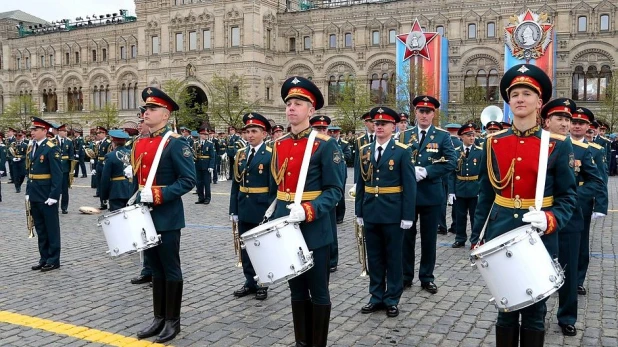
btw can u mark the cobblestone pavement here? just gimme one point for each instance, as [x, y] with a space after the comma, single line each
[92, 290]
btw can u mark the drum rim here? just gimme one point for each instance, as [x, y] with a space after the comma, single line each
[289, 277]
[265, 228]
[126, 208]
[480, 252]
[527, 303]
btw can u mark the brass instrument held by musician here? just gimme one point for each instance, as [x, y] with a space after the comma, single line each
[71, 171]
[29, 220]
[362, 250]
[237, 248]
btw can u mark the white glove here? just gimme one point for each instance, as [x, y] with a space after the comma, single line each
[92, 161]
[1, 172]
[451, 199]
[297, 213]
[50, 201]
[406, 224]
[421, 173]
[93, 173]
[76, 156]
[128, 172]
[146, 196]
[234, 218]
[536, 218]
[16, 159]
[27, 197]
[597, 215]
[360, 221]
[210, 170]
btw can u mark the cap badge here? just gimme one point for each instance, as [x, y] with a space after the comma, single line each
[295, 81]
[380, 110]
[580, 110]
[425, 99]
[149, 91]
[523, 69]
[567, 103]
[250, 115]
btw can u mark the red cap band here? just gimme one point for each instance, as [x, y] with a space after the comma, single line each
[300, 92]
[159, 102]
[255, 122]
[558, 109]
[581, 116]
[527, 81]
[384, 117]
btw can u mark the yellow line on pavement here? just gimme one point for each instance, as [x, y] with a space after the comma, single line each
[78, 332]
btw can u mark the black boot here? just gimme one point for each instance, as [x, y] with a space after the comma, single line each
[532, 338]
[507, 336]
[301, 316]
[321, 318]
[173, 299]
[158, 304]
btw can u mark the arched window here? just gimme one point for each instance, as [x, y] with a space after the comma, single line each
[591, 85]
[481, 86]
[493, 85]
[75, 99]
[333, 90]
[124, 97]
[50, 100]
[380, 87]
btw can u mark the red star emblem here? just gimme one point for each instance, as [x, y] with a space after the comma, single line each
[418, 42]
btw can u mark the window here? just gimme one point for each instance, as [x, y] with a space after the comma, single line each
[292, 44]
[268, 38]
[491, 29]
[27, 62]
[50, 100]
[235, 91]
[591, 85]
[235, 31]
[94, 55]
[155, 45]
[268, 96]
[75, 99]
[375, 37]
[471, 31]
[18, 63]
[348, 39]
[192, 40]
[133, 51]
[604, 23]
[332, 41]
[206, 39]
[307, 43]
[179, 45]
[380, 86]
[123, 53]
[67, 58]
[51, 60]
[76, 57]
[481, 86]
[582, 22]
[392, 36]
[104, 54]
[128, 96]
[42, 61]
[440, 30]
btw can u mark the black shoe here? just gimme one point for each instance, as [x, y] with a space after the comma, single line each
[49, 267]
[9, 182]
[430, 287]
[37, 267]
[340, 221]
[18, 191]
[206, 202]
[199, 202]
[103, 207]
[141, 279]
[581, 290]
[451, 230]
[214, 182]
[371, 307]
[442, 231]
[84, 176]
[392, 311]
[75, 176]
[261, 294]
[96, 196]
[568, 329]
[333, 268]
[65, 212]
[407, 284]
[458, 244]
[244, 291]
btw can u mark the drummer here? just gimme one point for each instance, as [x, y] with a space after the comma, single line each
[557, 116]
[311, 303]
[250, 198]
[114, 186]
[508, 183]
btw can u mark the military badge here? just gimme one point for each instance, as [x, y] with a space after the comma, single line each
[576, 165]
[261, 167]
[42, 157]
[391, 163]
[571, 160]
[186, 152]
[336, 157]
[474, 161]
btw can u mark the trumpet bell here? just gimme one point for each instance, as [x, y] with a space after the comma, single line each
[491, 113]
[352, 192]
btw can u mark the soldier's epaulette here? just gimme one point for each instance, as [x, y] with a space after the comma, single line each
[268, 149]
[50, 144]
[457, 148]
[557, 137]
[580, 144]
[446, 131]
[478, 147]
[365, 145]
[283, 137]
[175, 135]
[323, 137]
[498, 133]
[344, 141]
[402, 145]
[595, 145]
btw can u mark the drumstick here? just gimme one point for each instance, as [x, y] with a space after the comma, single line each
[542, 174]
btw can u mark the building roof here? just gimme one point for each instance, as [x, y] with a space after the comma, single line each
[21, 16]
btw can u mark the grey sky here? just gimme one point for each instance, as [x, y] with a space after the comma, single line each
[53, 10]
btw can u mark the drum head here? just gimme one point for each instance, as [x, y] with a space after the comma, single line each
[89, 210]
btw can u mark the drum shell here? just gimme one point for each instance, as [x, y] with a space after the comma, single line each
[129, 230]
[277, 251]
[517, 269]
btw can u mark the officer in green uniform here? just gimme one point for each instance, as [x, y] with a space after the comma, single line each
[434, 157]
[80, 153]
[19, 147]
[600, 139]
[43, 191]
[593, 206]
[10, 138]
[102, 149]
[463, 187]
[453, 129]
[492, 127]
[368, 137]
[311, 303]
[217, 143]
[186, 134]
[385, 200]
[175, 176]
[2, 161]
[557, 117]
[507, 186]
[253, 190]
[335, 132]
[115, 187]
[231, 147]
[67, 156]
[204, 166]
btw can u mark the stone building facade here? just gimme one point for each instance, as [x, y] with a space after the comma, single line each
[267, 40]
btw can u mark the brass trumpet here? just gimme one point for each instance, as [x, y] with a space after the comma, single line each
[71, 171]
[29, 220]
[237, 248]
[360, 244]
[352, 191]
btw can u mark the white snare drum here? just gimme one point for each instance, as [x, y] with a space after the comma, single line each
[277, 250]
[129, 230]
[518, 269]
